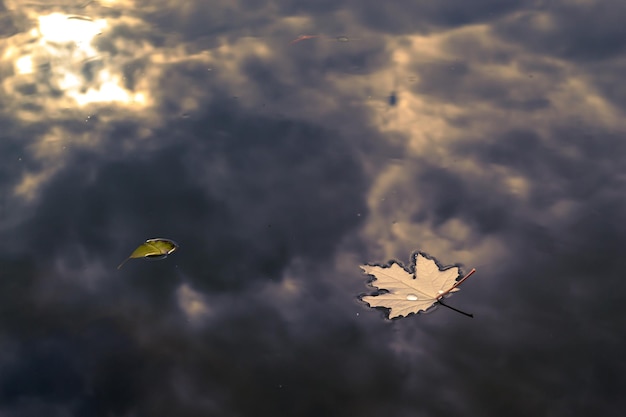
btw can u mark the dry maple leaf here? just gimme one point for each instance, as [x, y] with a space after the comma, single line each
[412, 292]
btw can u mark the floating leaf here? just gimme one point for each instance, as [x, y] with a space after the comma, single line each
[412, 292]
[153, 249]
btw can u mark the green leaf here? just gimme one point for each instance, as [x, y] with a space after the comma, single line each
[153, 249]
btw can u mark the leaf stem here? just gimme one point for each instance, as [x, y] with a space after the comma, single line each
[122, 264]
[456, 284]
[464, 278]
[455, 309]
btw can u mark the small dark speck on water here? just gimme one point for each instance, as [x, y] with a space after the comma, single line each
[393, 99]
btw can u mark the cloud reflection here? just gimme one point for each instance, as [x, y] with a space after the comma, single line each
[280, 168]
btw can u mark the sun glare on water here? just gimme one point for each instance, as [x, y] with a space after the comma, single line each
[59, 51]
[60, 73]
[60, 28]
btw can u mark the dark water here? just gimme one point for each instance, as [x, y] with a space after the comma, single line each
[283, 144]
